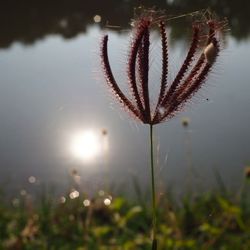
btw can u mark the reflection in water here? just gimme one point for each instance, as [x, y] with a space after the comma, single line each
[27, 21]
[85, 145]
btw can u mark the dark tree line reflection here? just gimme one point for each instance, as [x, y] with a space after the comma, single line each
[28, 20]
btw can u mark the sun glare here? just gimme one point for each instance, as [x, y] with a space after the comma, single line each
[85, 145]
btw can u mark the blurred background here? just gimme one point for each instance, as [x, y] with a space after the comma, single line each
[58, 119]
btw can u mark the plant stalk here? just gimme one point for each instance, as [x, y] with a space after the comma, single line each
[154, 243]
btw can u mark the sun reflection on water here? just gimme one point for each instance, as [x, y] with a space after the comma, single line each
[85, 145]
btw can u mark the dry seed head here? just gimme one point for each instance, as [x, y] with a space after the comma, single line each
[190, 78]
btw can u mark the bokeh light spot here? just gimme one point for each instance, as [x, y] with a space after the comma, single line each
[97, 18]
[107, 202]
[86, 203]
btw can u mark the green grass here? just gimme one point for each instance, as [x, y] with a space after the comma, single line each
[213, 220]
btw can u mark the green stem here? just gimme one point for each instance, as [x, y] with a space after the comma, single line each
[154, 244]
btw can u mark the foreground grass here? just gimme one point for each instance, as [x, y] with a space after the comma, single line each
[214, 220]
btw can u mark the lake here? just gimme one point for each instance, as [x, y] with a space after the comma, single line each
[59, 121]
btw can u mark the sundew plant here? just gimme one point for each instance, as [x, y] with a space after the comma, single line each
[204, 49]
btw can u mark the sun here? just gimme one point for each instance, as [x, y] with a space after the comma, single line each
[85, 145]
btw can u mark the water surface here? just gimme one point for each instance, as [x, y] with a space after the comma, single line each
[51, 89]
